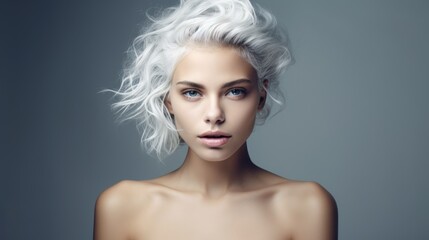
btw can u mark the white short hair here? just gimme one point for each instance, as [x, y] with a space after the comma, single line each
[154, 54]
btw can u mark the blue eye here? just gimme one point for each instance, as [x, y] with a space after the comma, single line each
[237, 92]
[191, 94]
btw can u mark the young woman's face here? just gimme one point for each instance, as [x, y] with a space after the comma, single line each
[214, 98]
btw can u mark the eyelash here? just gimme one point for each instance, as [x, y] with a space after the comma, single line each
[242, 92]
[188, 92]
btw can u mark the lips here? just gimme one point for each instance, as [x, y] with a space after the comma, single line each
[214, 139]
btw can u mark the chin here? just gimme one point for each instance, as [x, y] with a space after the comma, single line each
[215, 154]
[211, 154]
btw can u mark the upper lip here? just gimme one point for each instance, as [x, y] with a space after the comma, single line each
[214, 134]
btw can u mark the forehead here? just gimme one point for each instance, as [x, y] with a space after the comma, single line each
[213, 63]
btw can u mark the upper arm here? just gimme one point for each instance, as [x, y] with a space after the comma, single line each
[110, 217]
[317, 216]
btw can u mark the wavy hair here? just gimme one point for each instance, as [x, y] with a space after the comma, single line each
[154, 54]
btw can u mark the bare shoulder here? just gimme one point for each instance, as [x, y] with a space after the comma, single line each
[310, 208]
[117, 206]
[122, 195]
[306, 193]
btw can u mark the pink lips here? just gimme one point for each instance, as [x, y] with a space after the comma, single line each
[214, 139]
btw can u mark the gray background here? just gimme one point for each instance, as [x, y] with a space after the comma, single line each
[356, 119]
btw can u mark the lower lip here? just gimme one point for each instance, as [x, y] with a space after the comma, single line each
[214, 142]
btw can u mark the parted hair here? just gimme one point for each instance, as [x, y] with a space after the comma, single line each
[152, 58]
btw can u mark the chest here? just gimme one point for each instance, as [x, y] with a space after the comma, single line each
[194, 220]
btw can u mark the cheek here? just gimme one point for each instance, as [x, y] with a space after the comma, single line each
[179, 118]
[184, 116]
[243, 114]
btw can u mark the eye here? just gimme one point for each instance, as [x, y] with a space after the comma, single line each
[237, 92]
[191, 94]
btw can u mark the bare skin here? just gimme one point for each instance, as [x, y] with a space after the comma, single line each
[218, 193]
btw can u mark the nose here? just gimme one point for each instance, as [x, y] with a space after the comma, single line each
[214, 113]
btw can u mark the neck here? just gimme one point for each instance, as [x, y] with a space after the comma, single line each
[214, 178]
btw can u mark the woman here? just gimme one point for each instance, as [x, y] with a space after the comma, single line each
[203, 73]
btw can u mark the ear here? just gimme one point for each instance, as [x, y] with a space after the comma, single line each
[263, 94]
[167, 103]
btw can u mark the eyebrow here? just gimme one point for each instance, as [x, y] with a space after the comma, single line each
[226, 85]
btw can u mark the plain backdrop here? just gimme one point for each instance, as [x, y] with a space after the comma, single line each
[356, 117]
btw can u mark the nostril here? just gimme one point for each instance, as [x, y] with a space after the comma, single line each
[215, 120]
